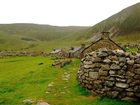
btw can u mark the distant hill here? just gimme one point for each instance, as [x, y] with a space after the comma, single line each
[39, 32]
[32, 36]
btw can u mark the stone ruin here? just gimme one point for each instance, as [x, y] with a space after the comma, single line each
[61, 62]
[112, 73]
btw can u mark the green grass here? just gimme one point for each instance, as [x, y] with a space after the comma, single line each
[22, 78]
[132, 49]
[132, 38]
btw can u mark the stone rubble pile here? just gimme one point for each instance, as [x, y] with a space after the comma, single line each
[112, 73]
[61, 62]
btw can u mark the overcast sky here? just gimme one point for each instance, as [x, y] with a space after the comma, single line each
[60, 12]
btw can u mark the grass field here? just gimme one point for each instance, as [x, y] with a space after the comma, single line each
[24, 78]
[131, 38]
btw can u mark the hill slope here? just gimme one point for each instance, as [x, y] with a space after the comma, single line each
[33, 36]
[126, 22]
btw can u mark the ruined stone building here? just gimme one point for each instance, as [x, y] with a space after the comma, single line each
[103, 42]
[111, 73]
[76, 52]
[58, 53]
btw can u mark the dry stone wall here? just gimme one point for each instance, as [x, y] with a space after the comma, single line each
[112, 73]
[21, 53]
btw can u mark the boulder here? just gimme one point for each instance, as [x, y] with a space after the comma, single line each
[115, 67]
[102, 54]
[120, 80]
[28, 101]
[114, 94]
[137, 94]
[130, 62]
[130, 99]
[120, 53]
[135, 66]
[109, 83]
[112, 72]
[88, 66]
[93, 75]
[137, 71]
[107, 61]
[103, 72]
[92, 66]
[87, 62]
[105, 67]
[122, 59]
[96, 59]
[122, 85]
[130, 94]
[137, 88]
[42, 103]
[130, 74]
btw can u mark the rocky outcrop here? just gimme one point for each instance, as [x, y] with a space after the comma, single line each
[112, 73]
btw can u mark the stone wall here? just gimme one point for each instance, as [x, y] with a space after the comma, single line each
[21, 53]
[112, 73]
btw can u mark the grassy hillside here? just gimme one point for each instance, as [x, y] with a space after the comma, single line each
[133, 38]
[39, 32]
[29, 80]
[37, 37]
[126, 22]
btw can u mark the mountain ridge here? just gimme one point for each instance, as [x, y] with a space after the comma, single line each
[127, 20]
